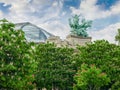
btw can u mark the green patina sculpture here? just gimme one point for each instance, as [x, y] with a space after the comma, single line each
[79, 29]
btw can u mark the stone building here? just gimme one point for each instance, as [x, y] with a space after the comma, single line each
[70, 41]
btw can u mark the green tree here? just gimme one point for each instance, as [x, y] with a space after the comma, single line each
[55, 68]
[77, 28]
[90, 78]
[17, 64]
[117, 37]
[105, 56]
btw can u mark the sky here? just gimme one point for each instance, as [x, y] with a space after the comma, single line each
[53, 15]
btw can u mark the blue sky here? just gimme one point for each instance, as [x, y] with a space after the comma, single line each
[53, 15]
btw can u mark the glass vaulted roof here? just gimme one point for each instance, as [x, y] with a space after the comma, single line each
[33, 33]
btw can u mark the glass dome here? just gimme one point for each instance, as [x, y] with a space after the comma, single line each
[33, 33]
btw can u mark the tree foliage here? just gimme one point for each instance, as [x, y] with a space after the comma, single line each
[16, 62]
[105, 56]
[55, 69]
[90, 78]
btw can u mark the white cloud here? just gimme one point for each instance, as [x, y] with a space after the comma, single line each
[55, 4]
[52, 12]
[108, 33]
[90, 10]
[21, 11]
[1, 14]
[64, 13]
[57, 28]
[16, 5]
[17, 11]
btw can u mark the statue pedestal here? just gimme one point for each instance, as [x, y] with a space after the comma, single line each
[78, 40]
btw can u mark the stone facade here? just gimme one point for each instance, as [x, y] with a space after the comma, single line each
[70, 41]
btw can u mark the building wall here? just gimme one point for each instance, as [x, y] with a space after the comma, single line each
[70, 41]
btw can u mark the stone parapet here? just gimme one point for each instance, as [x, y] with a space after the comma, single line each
[70, 41]
[54, 39]
[77, 40]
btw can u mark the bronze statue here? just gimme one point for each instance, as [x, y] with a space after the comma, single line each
[79, 29]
